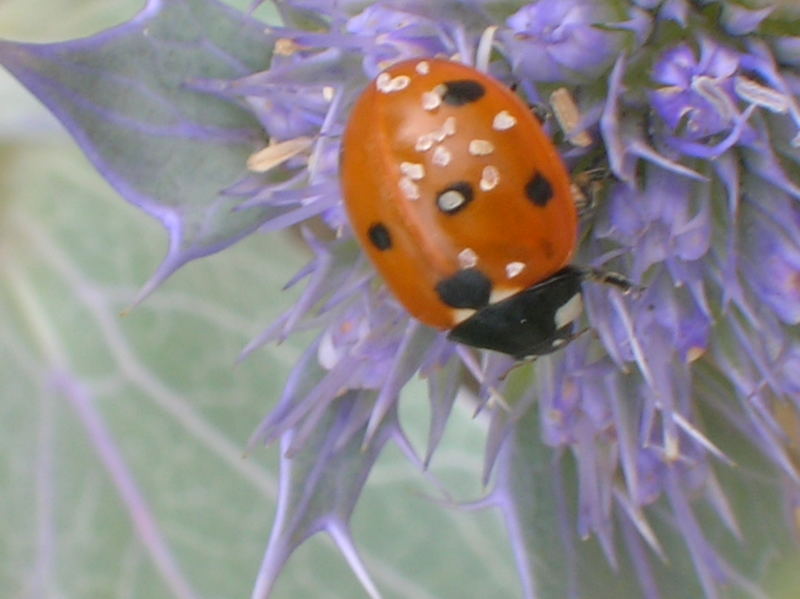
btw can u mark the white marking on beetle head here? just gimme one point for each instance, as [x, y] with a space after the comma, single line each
[423, 67]
[441, 156]
[408, 188]
[467, 258]
[514, 268]
[569, 311]
[490, 177]
[431, 100]
[412, 170]
[462, 314]
[450, 200]
[503, 120]
[481, 147]
[500, 293]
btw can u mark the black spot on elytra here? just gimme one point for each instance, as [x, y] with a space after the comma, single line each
[538, 190]
[379, 236]
[468, 288]
[463, 188]
[462, 91]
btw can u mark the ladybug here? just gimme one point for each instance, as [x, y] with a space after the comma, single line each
[464, 206]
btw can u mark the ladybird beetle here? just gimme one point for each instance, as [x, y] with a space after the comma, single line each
[464, 206]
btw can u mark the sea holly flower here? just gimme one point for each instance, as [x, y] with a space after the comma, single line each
[631, 462]
[558, 41]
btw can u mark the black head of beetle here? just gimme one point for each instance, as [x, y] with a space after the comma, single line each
[533, 322]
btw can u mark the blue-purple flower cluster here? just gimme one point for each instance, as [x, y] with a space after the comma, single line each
[632, 434]
[698, 123]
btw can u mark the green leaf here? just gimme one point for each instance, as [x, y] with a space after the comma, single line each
[124, 436]
[125, 95]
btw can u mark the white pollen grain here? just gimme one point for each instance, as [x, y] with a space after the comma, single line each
[450, 200]
[449, 126]
[514, 268]
[382, 82]
[490, 177]
[424, 143]
[481, 147]
[467, 258]
[441, 156]
[503, 121]
[423, 67]
[399, 83]
[431, 101]
[408, 188]
[412, 170]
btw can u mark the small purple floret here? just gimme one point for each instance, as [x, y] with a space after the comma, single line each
[557, 40]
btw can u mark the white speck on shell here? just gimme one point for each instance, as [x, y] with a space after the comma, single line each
[514, 268]
[412, 170]
[503, 121]
[431, 101]
[382, 82]
[408, 188]
[467, 258]
[441, 156]
[388, 84]
[449, 126]
[490, 177]
[424, 142]
[481, 147]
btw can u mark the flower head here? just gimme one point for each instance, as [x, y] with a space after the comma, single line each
[392, 35]
[555, 40]
[713, 240]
